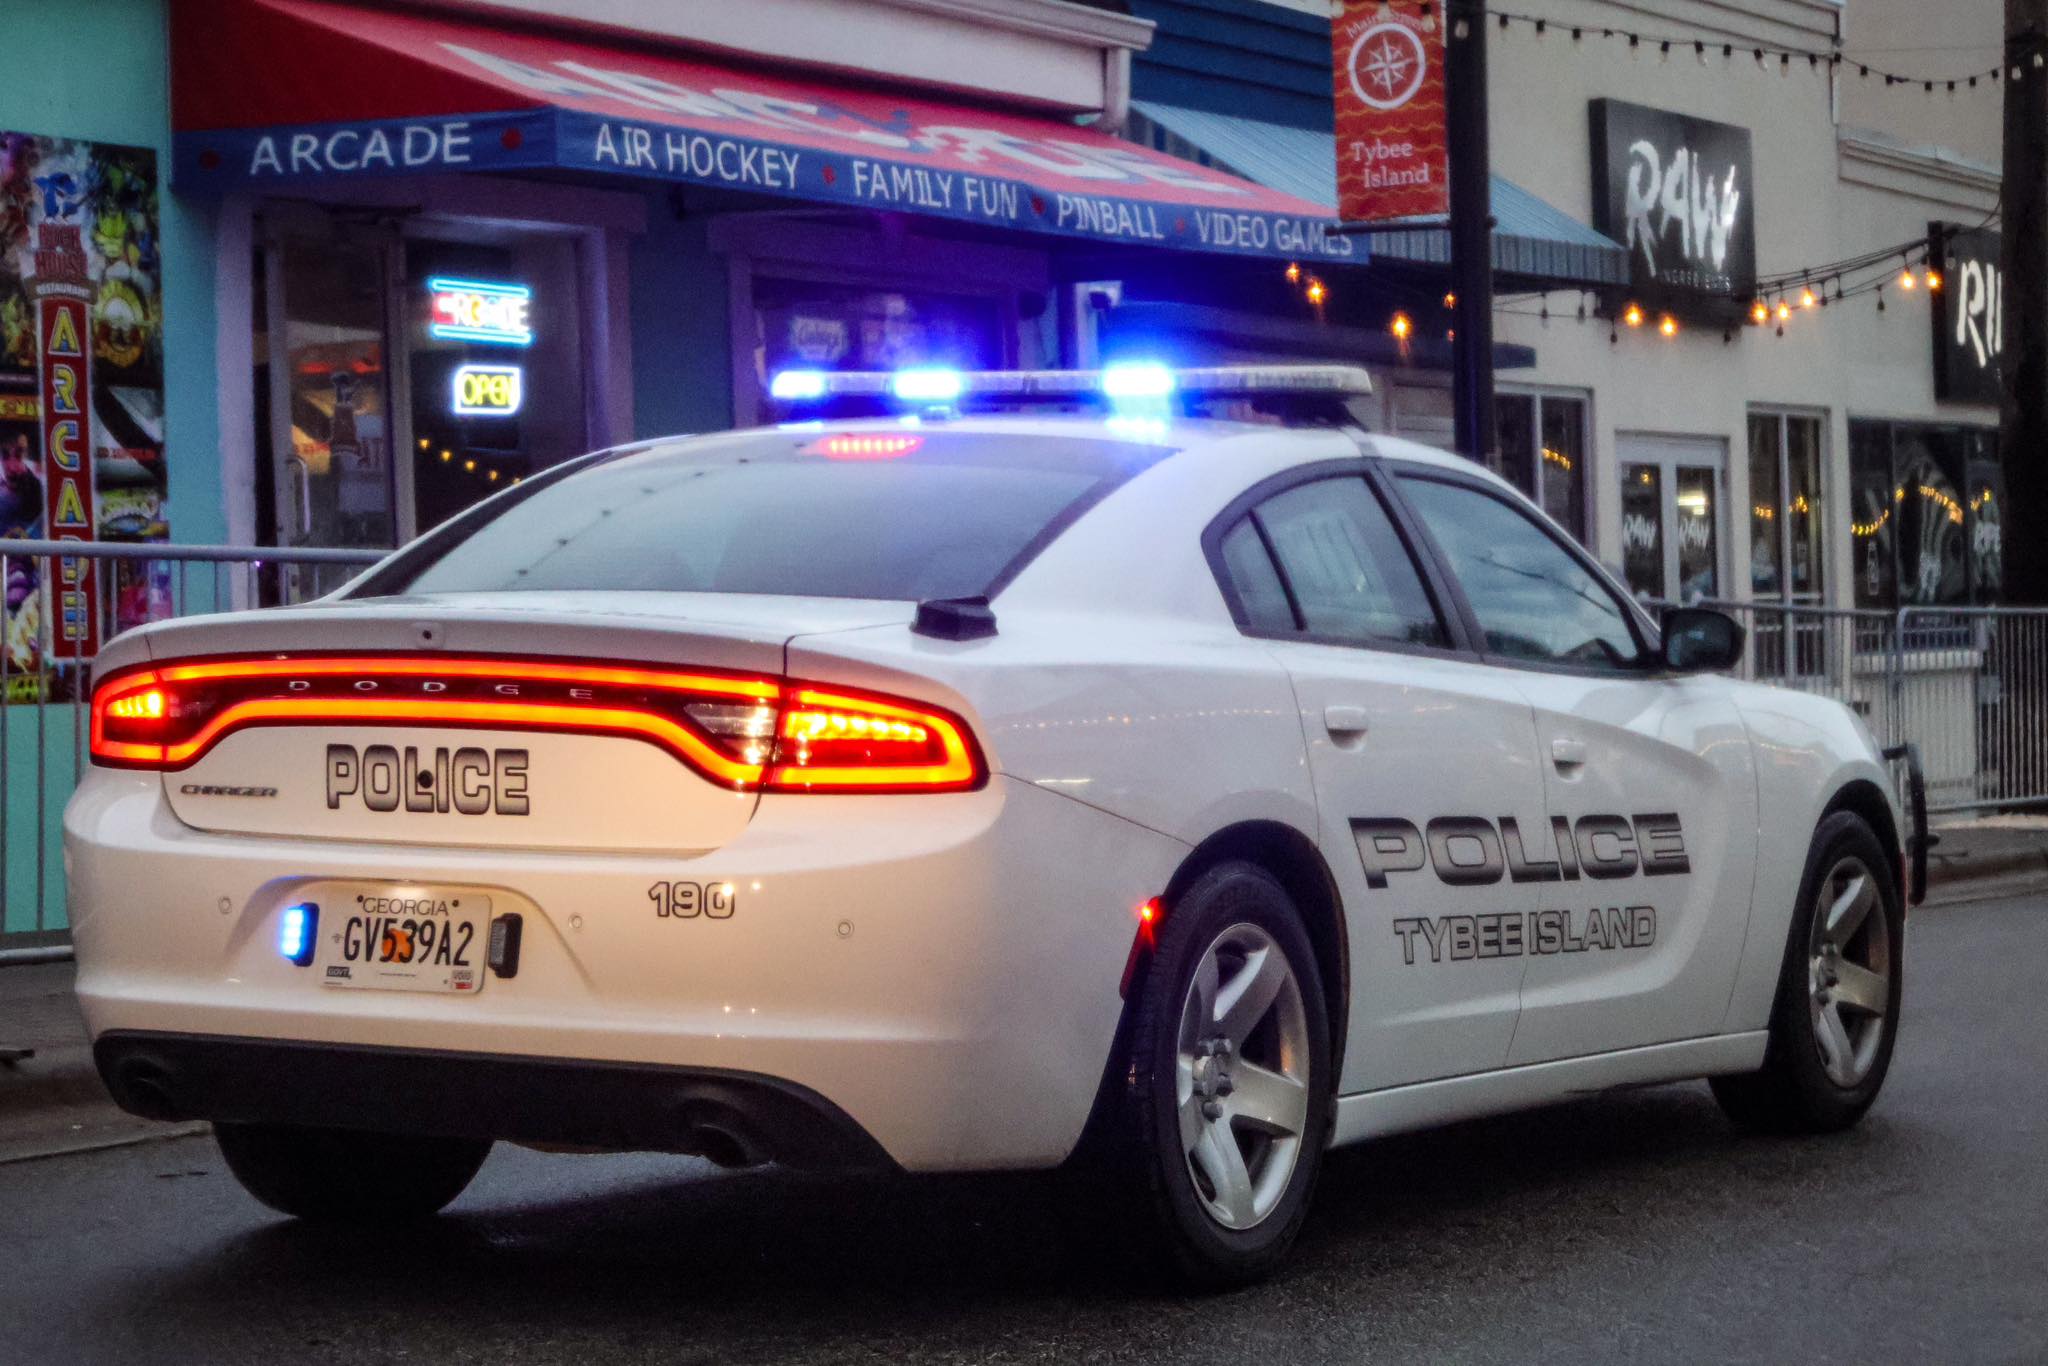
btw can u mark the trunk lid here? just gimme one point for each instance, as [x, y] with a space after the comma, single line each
[604, 743]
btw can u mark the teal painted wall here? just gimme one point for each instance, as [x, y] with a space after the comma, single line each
[99, 69]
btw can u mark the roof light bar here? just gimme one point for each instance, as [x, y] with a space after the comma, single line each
[927, 386]
[794, 385]
[1136, 380]
[1125, 381]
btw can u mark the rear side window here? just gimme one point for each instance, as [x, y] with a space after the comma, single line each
[1535, 600]
[1260, 594]
[910, 514]
[1342, 571]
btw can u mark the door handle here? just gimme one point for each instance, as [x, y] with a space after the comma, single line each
[1568, 753]
[1344, 723]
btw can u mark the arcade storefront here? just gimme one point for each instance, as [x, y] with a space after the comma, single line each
[472, 251]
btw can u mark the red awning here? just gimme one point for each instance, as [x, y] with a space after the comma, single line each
[291, 92]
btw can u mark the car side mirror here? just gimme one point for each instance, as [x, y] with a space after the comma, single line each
[1701, 640]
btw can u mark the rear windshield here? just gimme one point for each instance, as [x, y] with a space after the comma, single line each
[906, 514]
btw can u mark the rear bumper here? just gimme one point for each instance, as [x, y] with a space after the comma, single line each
[734, 1117]
[943, 971]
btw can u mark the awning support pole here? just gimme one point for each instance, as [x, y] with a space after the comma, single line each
[1471, 175]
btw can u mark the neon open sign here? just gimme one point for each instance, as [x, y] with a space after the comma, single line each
[480, 311]
[486, 390]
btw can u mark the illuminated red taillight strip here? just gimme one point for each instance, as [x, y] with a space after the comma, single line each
[507, 671]
[144, 698]
[958, 766]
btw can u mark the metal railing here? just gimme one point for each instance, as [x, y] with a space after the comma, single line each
[43, 692]
[1968, 685]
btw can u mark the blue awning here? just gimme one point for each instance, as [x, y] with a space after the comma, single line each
[1531, 240]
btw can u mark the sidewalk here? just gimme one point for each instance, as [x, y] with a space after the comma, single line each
[53, 1103]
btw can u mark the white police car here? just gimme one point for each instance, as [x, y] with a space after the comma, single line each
[935, 791]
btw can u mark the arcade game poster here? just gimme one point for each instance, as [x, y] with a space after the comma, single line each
[81, 399]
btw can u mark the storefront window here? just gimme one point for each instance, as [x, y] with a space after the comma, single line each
[1766, 545]
[1542, 441]
[1873, 515]
[496, 370]
[1926, 514]
[1785, 545]
[817, 325]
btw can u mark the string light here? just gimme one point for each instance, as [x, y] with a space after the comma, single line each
[1816, 59]
[1668, 325]
[1806, 299]
[1934, 279]
[1401, 327]
[1293, 272]
[1317, 291]
[1906, 280]
[1450, 301]
[1759, 312]
[1633, 315]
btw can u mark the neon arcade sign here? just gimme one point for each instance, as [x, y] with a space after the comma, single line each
[489, 312]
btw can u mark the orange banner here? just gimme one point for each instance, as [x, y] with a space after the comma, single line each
[1392, 149]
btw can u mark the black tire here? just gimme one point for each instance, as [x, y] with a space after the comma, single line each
[1151, 1171]
[1793, 1092]
[341, 1176]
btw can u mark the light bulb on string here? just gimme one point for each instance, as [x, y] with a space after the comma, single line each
[1668, 325]
[1806, 299]
[1633, 315]
[1759, 312]
[1906, 281]
[1784, 316]
[1934, 279]
[1401, 327]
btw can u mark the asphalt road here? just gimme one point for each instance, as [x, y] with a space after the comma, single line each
[1637, 1227]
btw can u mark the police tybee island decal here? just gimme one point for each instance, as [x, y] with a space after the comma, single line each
[1472, 851]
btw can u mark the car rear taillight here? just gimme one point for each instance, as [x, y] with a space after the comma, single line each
[846, 742]
[745, 732]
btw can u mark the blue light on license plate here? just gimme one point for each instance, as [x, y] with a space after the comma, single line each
[296, 928]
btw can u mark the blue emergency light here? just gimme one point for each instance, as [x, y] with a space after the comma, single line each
[929, 385]
[297, 927]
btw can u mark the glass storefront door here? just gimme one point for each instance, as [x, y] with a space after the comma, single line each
[325, 315]
[1671, 516]
[403, 377]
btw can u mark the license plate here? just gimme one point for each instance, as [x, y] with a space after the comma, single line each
[409, 940]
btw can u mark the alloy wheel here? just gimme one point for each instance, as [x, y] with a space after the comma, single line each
[1849, 971]
[1242, 1076]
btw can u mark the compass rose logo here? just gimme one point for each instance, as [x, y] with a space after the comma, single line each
[1387, 65]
